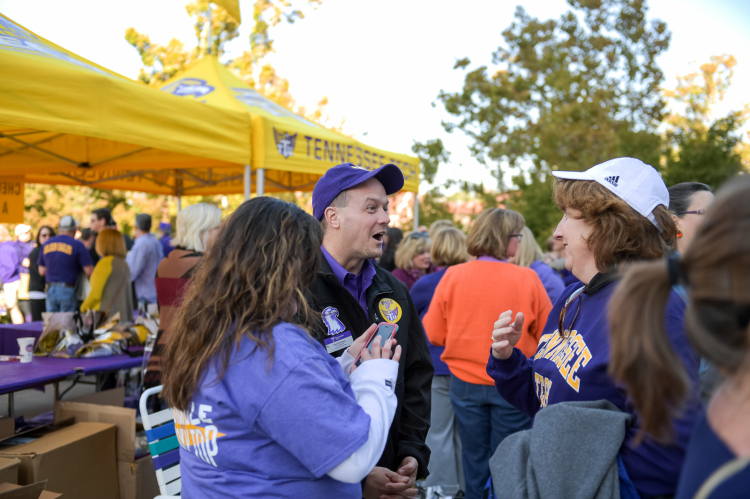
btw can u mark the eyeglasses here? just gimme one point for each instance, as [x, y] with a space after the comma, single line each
[696, 212]
[418, 235]
[519, 236]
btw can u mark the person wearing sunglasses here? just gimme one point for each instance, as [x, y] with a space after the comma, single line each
[688, 202]
[614, 214]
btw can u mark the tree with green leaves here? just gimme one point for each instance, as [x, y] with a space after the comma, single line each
[699, 146]
[563, 94]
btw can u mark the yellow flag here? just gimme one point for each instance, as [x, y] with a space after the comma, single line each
[232, 7]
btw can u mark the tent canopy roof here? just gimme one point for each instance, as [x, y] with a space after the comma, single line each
[282, 140]
[63, 114]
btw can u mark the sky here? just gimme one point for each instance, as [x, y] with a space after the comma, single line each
[382, 63]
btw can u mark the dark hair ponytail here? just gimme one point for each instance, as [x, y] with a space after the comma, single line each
[641, 352]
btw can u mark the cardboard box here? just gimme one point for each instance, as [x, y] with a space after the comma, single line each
[33, 491]
[114, 396]
[7, 427]
[137, 478]
[9, 470]
[78, 461]
[122, 418]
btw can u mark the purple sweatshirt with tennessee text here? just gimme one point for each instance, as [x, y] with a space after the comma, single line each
[576, 370]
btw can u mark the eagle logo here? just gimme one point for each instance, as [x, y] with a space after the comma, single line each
[284, 142]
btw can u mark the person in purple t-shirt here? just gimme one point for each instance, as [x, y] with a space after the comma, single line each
[61, 260]
[9, 274]
[615, 213]
[24, 247]
[261, 409]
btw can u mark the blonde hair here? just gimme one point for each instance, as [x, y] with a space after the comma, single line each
[528, 249]
[4, 234]
[193, 224]
[410, 247]
[449, 247]
[437, 226]
[491, 231]
[109, 242]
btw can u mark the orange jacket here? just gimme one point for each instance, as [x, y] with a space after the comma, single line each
[466, 304]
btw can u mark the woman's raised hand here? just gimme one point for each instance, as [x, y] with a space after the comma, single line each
[506, 334]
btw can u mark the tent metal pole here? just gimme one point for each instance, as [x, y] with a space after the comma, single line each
[416, 212]
[247, 182]
[179, 204]
[259, 181]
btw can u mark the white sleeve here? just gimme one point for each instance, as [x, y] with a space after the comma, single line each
[373, 384]
[346, 361]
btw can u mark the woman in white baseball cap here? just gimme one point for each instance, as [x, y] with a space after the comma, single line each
[614, 213]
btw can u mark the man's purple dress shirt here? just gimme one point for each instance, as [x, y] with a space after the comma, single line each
[356, 284]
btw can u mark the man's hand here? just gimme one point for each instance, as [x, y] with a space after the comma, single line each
[383, 483]
[506, 335]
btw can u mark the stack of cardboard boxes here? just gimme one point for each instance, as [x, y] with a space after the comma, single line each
[89, 454]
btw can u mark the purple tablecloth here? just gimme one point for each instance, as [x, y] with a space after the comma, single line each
[9, 333]
[15, 376]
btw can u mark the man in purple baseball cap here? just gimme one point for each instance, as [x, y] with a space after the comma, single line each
[353, 293]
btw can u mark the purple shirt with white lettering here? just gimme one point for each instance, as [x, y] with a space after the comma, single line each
[271, 428]
[356, 284]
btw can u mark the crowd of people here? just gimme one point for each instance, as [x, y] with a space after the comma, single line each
[513, 373]
[615, 364]
[95, 268]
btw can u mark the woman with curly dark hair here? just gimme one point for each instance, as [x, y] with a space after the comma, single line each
[261, 409]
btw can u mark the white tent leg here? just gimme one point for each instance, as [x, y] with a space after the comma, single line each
[247, 182]
[259, 181]
[416, 212]
[179, 204]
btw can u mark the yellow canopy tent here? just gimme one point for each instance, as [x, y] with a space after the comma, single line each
[288, 151]
[66, 120]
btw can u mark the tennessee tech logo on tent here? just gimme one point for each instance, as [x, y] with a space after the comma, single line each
[189, 86]
[284, 142]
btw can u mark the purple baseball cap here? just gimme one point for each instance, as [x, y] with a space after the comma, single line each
[345, 176]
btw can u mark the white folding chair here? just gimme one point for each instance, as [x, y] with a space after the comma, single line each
[165, 450]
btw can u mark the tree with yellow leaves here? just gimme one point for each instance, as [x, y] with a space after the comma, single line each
[701, 147]
[162, 62]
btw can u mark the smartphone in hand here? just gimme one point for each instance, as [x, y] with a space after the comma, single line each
[385, 331]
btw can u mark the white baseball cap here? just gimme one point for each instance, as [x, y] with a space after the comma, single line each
[630, 179]
[22, 229]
